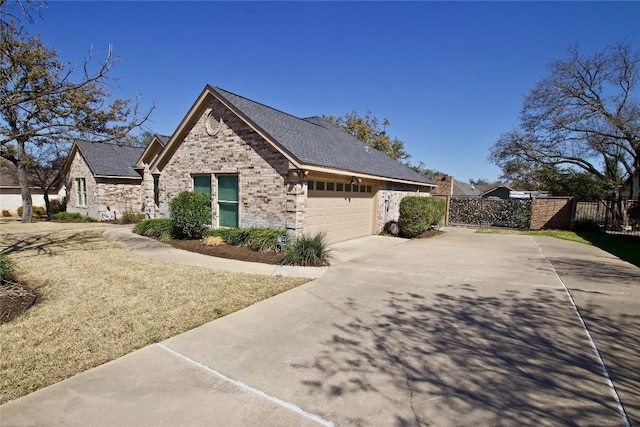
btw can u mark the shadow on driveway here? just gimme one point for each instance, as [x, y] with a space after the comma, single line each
[507, 360]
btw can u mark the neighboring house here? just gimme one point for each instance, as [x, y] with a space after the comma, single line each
[266, 168]
[448, 186]
[464, 189]
[499, 192]
[506, 192]
[101, 181]
[11, 195]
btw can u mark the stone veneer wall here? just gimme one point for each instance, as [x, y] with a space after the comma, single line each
[389, 197]
[269, 194]
[120, 195]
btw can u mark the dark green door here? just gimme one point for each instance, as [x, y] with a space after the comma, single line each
[228, 200]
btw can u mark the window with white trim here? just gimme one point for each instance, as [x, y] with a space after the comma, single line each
[81, 191]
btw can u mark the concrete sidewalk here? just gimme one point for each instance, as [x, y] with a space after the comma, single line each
[460, 329]
[151, 248]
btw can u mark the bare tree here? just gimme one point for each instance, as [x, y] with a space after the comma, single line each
[586, 114]
[44, 101]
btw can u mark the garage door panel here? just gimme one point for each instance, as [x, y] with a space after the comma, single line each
[341, 218]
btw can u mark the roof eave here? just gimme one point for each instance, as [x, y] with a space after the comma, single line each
[344, 172]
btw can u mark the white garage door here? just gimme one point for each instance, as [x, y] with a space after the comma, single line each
[342, 215]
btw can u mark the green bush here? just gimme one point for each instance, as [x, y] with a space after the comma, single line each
[55, 206]
[634, 215]
[418, 214]
[129, 217]
[7, 269]
[258, 239]
[157, 228]
[307, 250]
[190, 213]
[70, 217]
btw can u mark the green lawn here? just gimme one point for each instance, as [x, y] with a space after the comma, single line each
[624, 247]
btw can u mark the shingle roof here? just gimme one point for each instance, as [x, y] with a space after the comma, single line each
[464, 189]
[314, 141]
[107, 159]
[163, 139]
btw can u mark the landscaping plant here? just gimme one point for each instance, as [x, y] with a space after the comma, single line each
[418, 214]
[190, 213]
[307, 251]
[258, 239]
[7, 269]
[157, 228]
[70, 217]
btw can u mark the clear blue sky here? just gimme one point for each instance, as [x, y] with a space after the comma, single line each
[450, 76]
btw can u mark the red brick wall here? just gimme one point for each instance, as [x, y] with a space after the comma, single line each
[551, 213]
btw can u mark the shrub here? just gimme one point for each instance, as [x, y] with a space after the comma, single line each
[70, 217]
[634, 215]
[37, 211]
[129, 217]
[5, 213]
[213, 241]
[55, 206]
[586, 224]
[307, 250]
[157, 228]
[418, 214]
[190, 213]
[7, 269]
[258, 239]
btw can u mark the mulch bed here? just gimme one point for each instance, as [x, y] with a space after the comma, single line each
[14, 299]
[240, 253]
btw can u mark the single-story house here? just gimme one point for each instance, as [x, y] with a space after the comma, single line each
[262, 168]
[11, 193]
[266, 168]
[101, 181]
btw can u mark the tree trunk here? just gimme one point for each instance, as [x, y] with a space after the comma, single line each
[47, 203]
[23, 180]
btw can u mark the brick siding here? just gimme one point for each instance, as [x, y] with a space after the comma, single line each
[269, 195]
[120, 195]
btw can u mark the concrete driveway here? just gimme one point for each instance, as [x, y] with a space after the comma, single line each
[461, 329]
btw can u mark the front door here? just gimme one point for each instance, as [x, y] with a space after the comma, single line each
[227, 200]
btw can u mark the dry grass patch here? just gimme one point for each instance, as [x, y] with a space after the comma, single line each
[100, 301]
[16, 227]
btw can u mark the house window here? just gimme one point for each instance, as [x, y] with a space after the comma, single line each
[339, 186]
[331, 186]
[310, 185]
[228, 200]
[202, 184]
[369, 189]
[156, 190]
[320, 185]
[81, 191]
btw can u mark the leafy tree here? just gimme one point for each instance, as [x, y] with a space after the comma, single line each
[369, 130]
[44, 102]
[585, 114]
[559, 181]
[422, 169]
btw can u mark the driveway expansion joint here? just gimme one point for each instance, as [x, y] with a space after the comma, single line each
[286, 405]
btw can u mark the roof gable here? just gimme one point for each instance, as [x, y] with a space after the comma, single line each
[110, 160]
